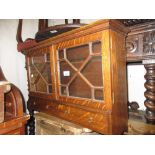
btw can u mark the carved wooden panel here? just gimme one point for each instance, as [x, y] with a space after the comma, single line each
[140, 42]
[134, 47]
[140, 46]
[131, 22]
[149, 43]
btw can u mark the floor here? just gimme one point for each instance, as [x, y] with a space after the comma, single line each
[137, 124]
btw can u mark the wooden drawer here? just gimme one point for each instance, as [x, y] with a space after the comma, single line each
[96, 121]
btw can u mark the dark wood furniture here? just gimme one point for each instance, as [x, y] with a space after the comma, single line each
[76, 76]
[133, 22]
[45, 31]
[140, 45]
[23, 44]
[12, 115]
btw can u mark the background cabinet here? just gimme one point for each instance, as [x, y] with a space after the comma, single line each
[13, 120]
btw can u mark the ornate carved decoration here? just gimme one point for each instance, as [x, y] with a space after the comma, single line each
[140, 42]
[145, 52]
[131, 46]
[133, 105]
[131, 22]
[149, 43]
[150, 92]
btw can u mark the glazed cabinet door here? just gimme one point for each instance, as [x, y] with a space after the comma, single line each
[40, 72]
[80, 71]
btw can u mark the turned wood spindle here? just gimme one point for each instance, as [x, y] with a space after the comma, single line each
[150, 93]
[31, 122]
[76, 21]
[43, 24]
[66, 21]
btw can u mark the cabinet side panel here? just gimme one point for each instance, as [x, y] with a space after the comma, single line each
[119, 83]
[106, 65]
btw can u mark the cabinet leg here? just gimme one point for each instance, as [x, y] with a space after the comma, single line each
[150, 93]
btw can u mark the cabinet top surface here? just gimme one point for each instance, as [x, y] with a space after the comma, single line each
[94, 27]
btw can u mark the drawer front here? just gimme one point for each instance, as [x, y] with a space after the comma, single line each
[98, 122]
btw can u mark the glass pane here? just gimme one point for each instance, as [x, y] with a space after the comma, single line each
[47, 73]
[77, 64]
[38, 59]
[40, 67]
[99, 94]
[47, 57]
[61, 54]
[96, 47]
[40, 73]
[32, 87]
[63, 90]
[79, 53]
[33, 74]
[30, 61]
[90, 75]
[66, 72]
[79, 88]
[93, 71]
[41, 86]
[50, 88]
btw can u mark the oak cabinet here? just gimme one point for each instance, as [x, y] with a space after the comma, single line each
[80, 76]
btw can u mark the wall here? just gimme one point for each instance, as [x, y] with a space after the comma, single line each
[135, 75]
[13, 62]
